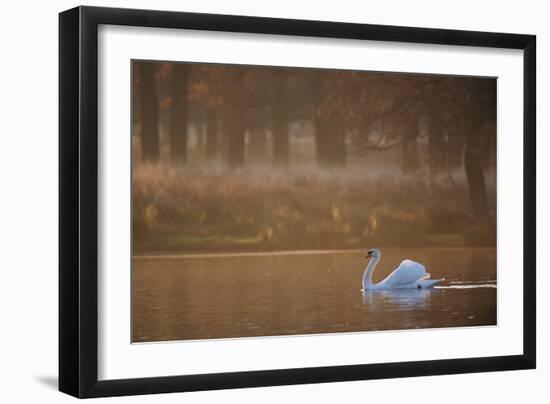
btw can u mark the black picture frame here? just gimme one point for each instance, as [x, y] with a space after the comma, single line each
[78, 201]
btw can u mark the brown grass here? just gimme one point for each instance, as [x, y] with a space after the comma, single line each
[191, 209]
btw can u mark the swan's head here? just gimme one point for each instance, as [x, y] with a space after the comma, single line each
[374, 253]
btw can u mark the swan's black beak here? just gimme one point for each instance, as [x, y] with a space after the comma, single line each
[369, 254]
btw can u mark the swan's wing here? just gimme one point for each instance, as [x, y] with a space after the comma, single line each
[406, 273]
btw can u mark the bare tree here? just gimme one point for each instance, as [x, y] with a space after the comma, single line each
[281, 114]
[179, 113]
[149, 111]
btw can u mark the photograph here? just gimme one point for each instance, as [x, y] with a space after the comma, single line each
[272, 201]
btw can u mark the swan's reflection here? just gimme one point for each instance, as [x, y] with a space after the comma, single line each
[403, 298]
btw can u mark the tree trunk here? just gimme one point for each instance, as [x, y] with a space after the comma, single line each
[234, 119]
[281, 144]
[436, 144]
[235, 135]
[257, 145]
[475, 148]
[320, 144]
[330, 142]
[136, 99]
[211, 133]
[178, 123]
[410, 155]
[409, 148]
[281, 115]
[200, 134]
[149, 113]
[339, 154]
[476, 181]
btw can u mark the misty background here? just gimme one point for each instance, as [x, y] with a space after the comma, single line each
[253, 158]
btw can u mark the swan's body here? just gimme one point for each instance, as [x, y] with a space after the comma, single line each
[408, 275]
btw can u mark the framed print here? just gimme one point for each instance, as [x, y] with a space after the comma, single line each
[251, 201]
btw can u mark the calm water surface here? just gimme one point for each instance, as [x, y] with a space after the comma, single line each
[223, 296]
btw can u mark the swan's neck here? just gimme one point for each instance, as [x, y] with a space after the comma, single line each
[367, 275]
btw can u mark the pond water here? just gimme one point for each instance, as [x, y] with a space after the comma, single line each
[262, 294]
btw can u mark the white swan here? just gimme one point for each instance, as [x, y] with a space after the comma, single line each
[408, 275]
